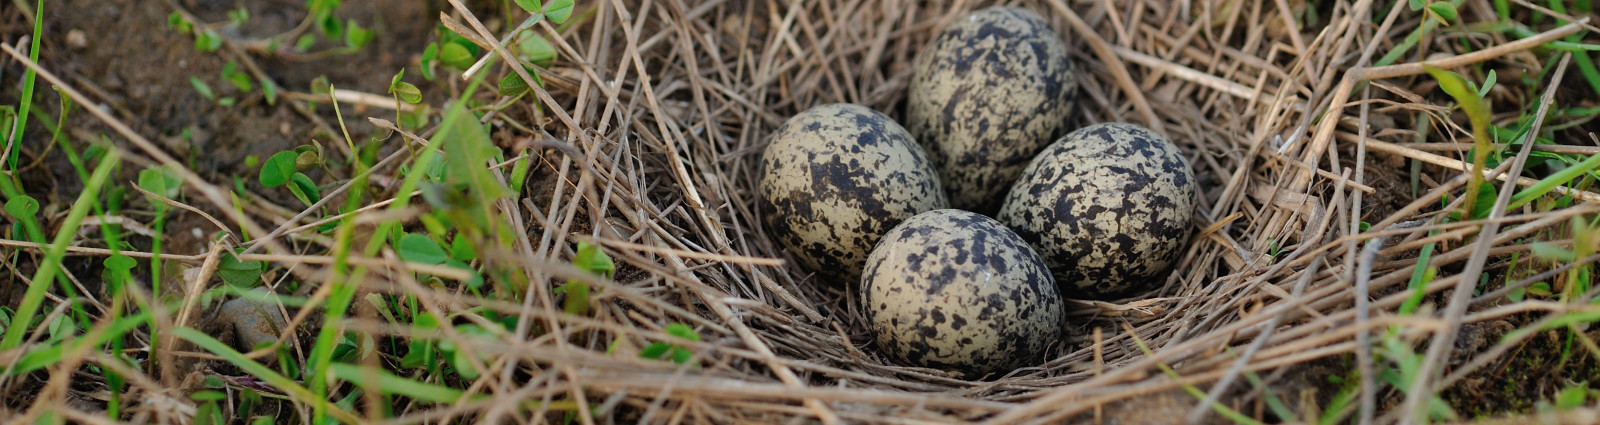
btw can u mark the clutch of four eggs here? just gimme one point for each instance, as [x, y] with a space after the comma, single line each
[989, 213]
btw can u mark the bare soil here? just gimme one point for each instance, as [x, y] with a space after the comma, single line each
[141, 69]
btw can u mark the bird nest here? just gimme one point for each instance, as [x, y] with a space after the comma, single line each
[1306, 133]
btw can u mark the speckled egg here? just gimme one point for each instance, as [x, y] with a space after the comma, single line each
[836, 177]
[955, 290]
[987, 93]
[1107, 206]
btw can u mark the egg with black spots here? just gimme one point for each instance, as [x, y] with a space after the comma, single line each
[986, 94]
[958, 291]
[1108, 208]
[834, 178]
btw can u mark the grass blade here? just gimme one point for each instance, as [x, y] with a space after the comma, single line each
[288, 386]
[389, 383]
[57, 250]
[1477, 110]
[36, 359]
[1547, 184]
[28, 77]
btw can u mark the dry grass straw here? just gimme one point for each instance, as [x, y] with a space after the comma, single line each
[1238, 96]
[658, 111]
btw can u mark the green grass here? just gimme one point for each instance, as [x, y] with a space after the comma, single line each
[10, 186]
[1398, 360]
[461, 136]
[51, 264]
[25, 104]
[280, 382]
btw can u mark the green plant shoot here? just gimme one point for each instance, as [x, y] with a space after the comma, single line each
[680, 355]
[1477, 110]
[591, 259]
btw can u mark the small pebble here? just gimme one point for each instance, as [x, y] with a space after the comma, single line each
[253, 323]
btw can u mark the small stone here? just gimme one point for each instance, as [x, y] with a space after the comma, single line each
[77, 40]
[253, 322]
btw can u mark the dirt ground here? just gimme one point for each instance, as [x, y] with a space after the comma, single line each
[124, 54]
[130, 59]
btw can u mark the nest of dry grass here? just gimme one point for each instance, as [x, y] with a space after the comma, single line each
[1268, 285]
[654, 118]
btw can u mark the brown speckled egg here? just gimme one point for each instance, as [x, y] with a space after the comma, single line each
[1107, 206]
[955, 290]
[835, 178]
[988, 92]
